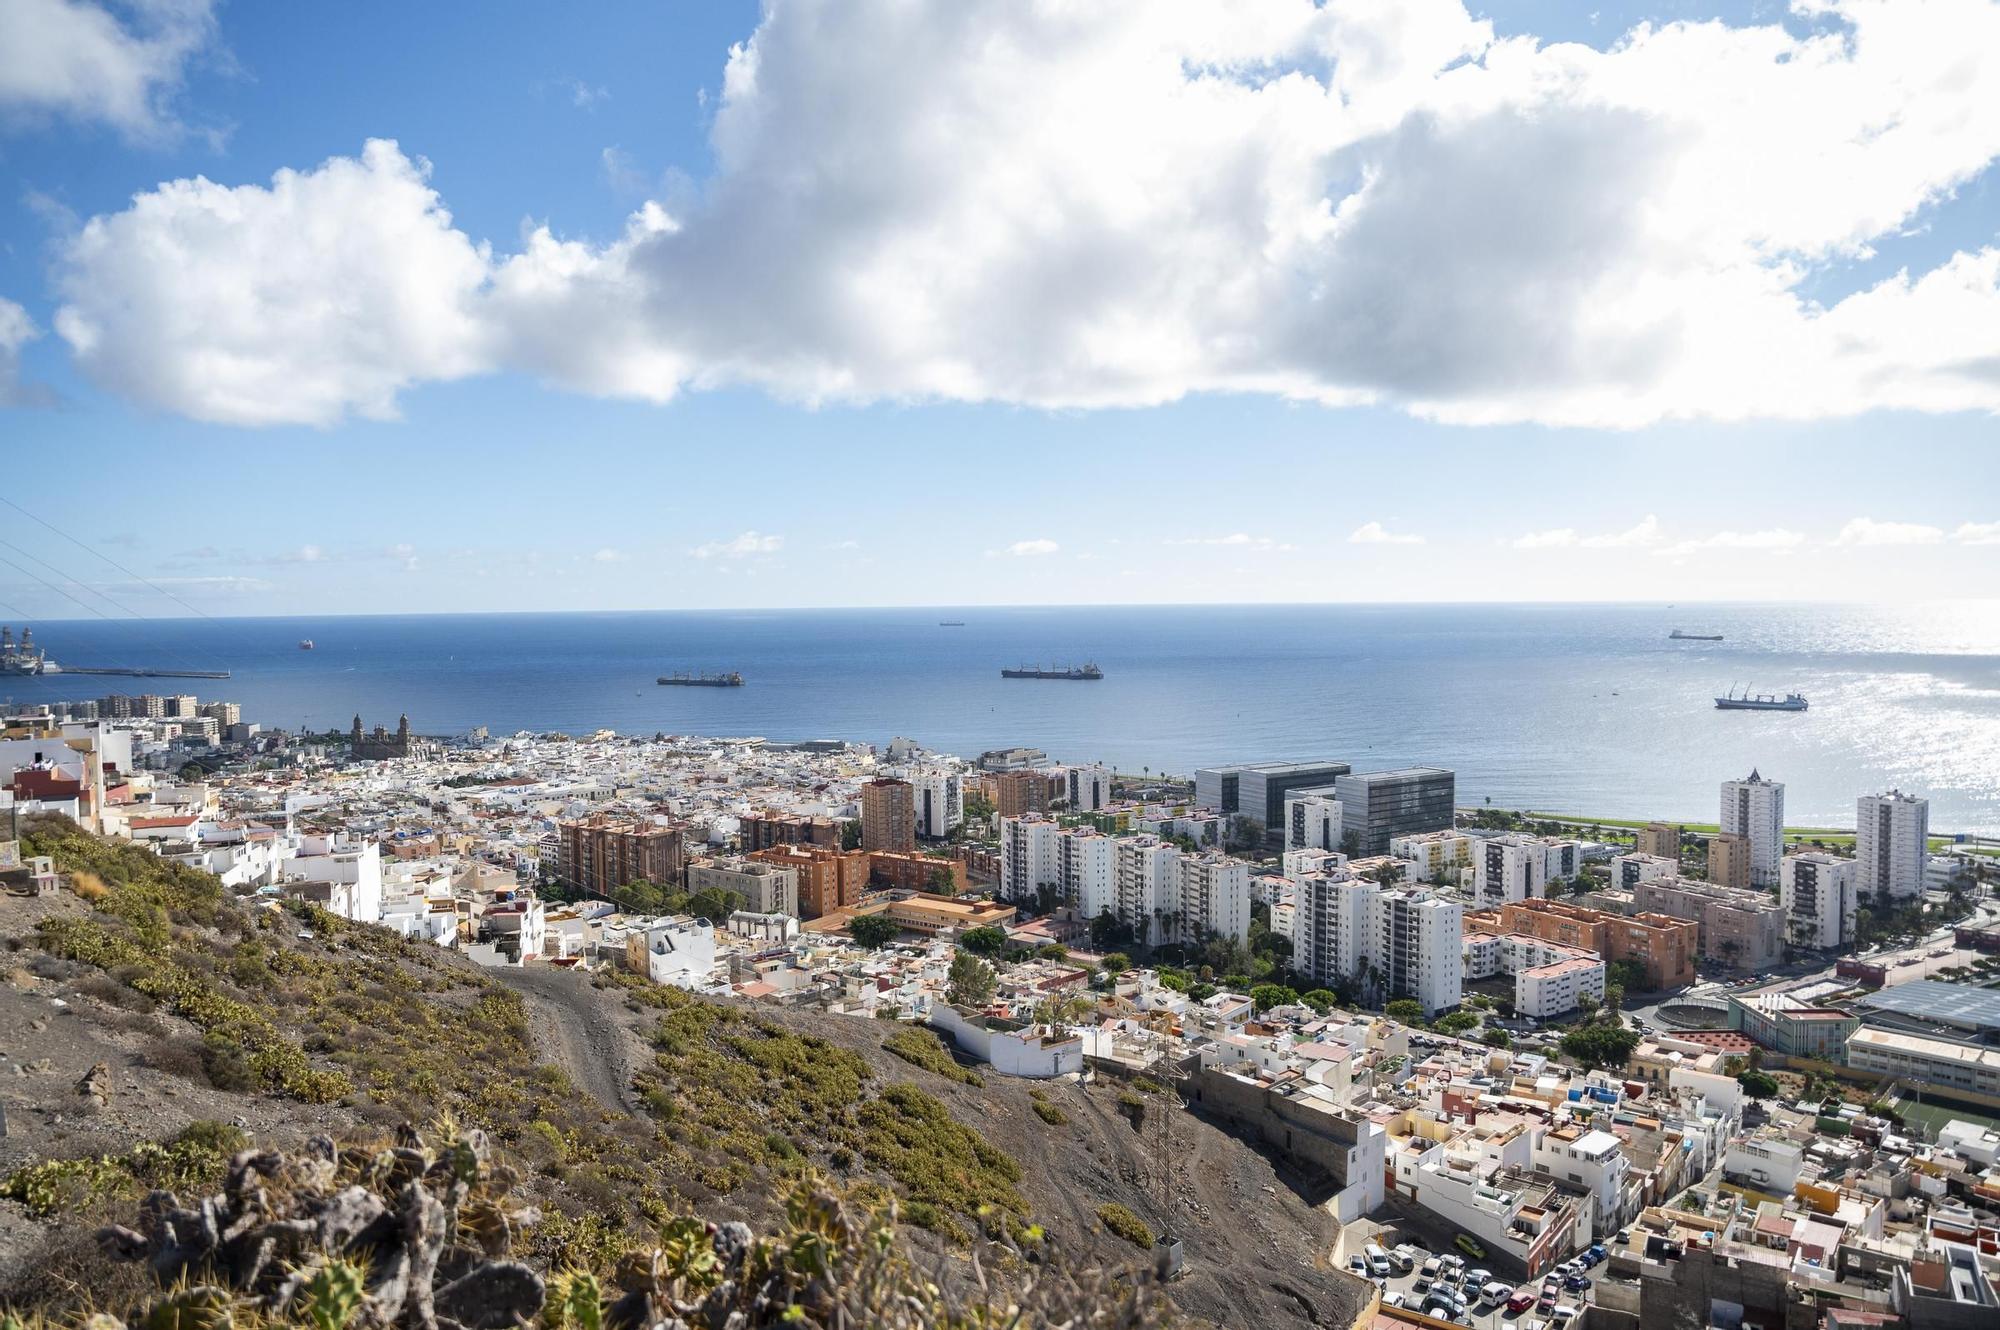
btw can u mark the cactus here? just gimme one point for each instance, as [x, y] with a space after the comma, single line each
[331, 1297]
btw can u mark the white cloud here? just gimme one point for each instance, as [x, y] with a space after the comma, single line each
[1868, 531]
[585, 95]
[80, 60]
[16, 331]
[747, 545]
[1645, 534]
[1123, 203]
[304, 554]
[299, 303]
[1775, 539]
[1032, 548]
[1235, 540]
[845, 545]
[1977, 533]
[607, 555]
[1374, 533]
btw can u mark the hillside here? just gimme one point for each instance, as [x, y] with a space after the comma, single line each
[156, 1024]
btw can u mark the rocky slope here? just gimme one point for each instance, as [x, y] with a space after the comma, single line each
[150, 1027]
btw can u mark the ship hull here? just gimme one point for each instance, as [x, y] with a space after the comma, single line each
[1073, 675]
[1753, 704]
[700, 683]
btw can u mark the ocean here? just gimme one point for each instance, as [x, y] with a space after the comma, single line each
[1568, 708]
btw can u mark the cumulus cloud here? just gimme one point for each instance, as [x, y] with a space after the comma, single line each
[1977, 533]
[1775, 539]
[1374, 533]
[1868, 531]
[747, 545]
[1644, 534]
[16, 331]
[1032, 548]
[320, 295]
[608, 555]
[1126, 202]
[80, 60]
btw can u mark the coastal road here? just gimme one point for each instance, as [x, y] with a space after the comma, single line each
[580, 1028]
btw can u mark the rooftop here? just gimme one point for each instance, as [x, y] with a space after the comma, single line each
[1932, 1000]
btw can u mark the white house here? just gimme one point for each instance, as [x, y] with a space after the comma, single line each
[1037, 1052]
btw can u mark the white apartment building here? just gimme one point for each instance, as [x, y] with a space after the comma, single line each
[940, 801]
[1629, 870]
[1030, 856]
[1550, 978]
[1592, 1159]
[1564, 985]
[1754, 808]
[1312, 822]
[1819, 898]
[1302, 864]
[1767, 1162]
[1517, 867]
[1387, 942]
[1890, 834]
[1434, 856]
[1163, 894]
[343, 875]
[1087, 869]
[1089, 788]
[680, 952]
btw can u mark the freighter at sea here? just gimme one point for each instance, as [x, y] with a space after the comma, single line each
[1747, 701]
[1678, 636]
[1088, 670]
[26, 658]
[729, 680]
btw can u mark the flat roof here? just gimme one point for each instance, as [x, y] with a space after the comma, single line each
[1940, 1050]
[1932, 1000]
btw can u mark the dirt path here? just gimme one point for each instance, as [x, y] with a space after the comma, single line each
[579, 1028]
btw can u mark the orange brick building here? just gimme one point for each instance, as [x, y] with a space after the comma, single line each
[1018, 793]
[763, 830]
[1662, 946]
[913, 872]
[828, 879]
[888, 815]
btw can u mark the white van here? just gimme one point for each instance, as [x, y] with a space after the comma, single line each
[1496, 1293]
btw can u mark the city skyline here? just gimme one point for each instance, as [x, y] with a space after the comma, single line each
[674, 308]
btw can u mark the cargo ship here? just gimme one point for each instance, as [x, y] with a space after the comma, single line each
[729, 680]
[1678, 636]
[1748, 701]
[1085, 671]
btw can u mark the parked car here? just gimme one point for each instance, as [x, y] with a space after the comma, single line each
[1595, 1254]
[1523, 1298]
[1624, 1236]
[1421, 1286]
[1566, 1316]
[1547, 1302]
[1432, 1266]
[1478, 1278]
[1378, 1260]
[1576, 1284]
[1358, 1266]
[1495, 1293]
[1404, 1257]
[1392, 1299]
[1468, 1245]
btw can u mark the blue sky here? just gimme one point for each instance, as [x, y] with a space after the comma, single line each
[779, 416]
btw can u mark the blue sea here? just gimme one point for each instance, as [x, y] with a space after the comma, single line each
[1572, 708]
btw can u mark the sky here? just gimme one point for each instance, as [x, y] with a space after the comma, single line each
[424, 308]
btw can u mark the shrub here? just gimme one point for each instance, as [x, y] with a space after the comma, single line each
[922, 1048]
[1125, 1224]
[1049, 1113]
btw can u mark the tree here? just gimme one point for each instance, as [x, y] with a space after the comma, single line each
[1407, 1010]
[1106, 931]
[1457, 1022]
[1495, 1037]
[942, 882]
[1600, 1045]
[874, 930]
[1626, 974]
[1757, 1084]
[1116, 963]
[1614, 997]
[986, 940]
[970, 982]
[1320, 1000]
[850, 835]
[1266, 996]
